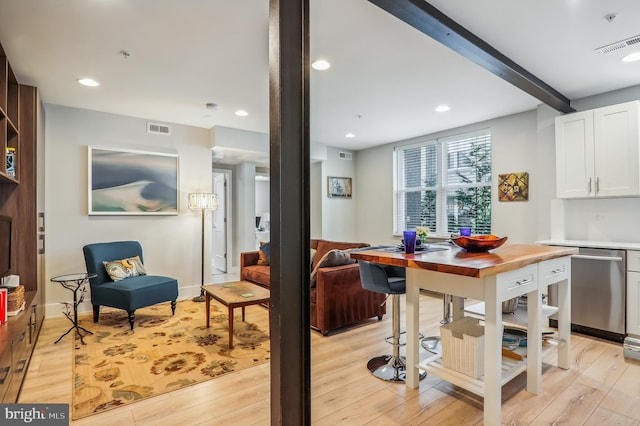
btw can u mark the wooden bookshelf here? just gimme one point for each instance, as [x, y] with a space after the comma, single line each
[19, 107]
[9, 120]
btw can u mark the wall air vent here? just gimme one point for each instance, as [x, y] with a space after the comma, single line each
[345, 155]
[158, 129]
[619, 45]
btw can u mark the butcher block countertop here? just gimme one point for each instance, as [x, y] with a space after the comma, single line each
[457, 261]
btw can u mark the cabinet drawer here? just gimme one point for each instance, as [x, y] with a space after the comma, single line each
[633, 260]
[554, 270]
[516, 283]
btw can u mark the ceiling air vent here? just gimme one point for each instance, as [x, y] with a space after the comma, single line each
[159, 129]
[619, 45]
[344, 155]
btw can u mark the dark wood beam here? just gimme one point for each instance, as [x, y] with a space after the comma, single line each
[426, 18]
[289, 207]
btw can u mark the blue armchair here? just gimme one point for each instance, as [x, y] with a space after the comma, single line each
[130, 293]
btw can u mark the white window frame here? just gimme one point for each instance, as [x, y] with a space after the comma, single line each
[440, 188]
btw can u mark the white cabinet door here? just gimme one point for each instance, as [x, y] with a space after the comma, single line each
[597, 152]
[574, 155]
[616, 150]
[633, 303]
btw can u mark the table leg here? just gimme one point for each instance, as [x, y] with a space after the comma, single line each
[457, 310]
[75, 287]
[564, 323]
[492, 354]
[230, 327]
[534, 342]
[207, 308]
[412, 324]
[243, 314]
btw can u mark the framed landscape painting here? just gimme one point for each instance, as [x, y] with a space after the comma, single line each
[339, 187]
[127, 182]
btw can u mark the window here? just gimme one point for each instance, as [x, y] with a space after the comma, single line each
[444, 184]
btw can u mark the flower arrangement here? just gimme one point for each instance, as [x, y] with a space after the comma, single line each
[422, 232]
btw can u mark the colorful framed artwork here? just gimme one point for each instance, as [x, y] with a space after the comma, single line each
[338, 187]
[128, 182]
[513, 187]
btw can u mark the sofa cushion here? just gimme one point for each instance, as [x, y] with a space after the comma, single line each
[136, 292]
[259, 274]
[312, 256]
[325, 245]
[333, 257]
[124, 268]
[264, 254]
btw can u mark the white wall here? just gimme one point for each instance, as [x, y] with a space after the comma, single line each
[339, 214]
[262, 197]
[171, 244]
[315, 200]
[515, 149]
[244, 212]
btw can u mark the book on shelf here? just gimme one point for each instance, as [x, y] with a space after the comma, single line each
[3, 305]
[11, 162]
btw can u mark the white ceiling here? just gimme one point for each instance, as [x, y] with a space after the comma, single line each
[385, 81]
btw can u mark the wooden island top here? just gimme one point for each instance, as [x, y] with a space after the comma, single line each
[455, 260]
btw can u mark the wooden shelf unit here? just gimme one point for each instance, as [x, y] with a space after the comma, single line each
[19, 123]
[9, 118]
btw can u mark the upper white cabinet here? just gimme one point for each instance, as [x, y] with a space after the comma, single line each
[597, 152]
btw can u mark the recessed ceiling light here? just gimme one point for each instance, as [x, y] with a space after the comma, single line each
[443, 108]
[241, 113]
[631, 57]
[88, 82]
[321, 65]
[350, 135]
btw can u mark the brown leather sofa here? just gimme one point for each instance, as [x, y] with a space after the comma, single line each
[337, 299]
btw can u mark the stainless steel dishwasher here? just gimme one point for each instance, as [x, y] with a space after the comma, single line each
[598, 293]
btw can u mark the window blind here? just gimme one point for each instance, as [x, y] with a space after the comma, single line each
[444, 184]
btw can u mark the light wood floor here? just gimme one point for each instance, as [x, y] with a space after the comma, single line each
[601, 388]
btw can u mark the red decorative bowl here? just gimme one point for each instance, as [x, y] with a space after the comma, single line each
[479, 243]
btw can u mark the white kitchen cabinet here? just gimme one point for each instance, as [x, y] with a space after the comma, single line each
[633, 292]
[597, 152]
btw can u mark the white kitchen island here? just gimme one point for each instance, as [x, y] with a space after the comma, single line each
[493, 277]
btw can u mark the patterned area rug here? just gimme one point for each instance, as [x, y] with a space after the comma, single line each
[163, 353]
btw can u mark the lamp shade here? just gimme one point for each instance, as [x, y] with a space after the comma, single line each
[198, 201]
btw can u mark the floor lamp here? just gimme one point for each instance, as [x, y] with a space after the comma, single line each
[202, 202]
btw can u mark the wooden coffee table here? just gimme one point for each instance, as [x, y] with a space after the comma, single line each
[237, 294]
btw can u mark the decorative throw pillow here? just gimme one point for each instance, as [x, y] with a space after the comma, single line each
[325, 245]
[124, 268]
[312, 255]
[264, 254]
[333, 257]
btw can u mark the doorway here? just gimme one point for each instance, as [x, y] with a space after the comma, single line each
[221, 223]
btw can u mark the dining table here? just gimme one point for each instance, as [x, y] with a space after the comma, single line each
[492, 277]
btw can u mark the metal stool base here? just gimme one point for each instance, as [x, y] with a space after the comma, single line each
[390, 368]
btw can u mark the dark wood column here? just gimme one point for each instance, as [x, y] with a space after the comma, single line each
[289, 187]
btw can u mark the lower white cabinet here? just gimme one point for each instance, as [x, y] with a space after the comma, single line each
[633, 292]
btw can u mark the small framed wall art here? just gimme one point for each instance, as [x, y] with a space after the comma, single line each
[338, 187]
[513, 187]
[127, 182]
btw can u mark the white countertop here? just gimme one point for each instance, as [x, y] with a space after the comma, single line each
[592, 244]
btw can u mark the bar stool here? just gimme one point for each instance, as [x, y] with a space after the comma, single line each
[391, 281]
